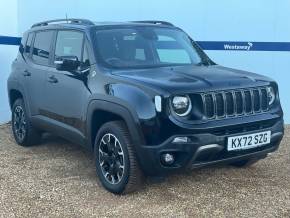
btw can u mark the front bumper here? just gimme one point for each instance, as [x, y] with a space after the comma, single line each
[206, 149]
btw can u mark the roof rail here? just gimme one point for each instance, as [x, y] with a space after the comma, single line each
[70, 20]
[157, 22]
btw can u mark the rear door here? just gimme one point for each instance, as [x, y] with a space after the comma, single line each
[22, 64]
[36, 69]
[66, 92]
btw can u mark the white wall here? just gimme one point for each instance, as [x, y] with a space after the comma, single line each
[8, 27]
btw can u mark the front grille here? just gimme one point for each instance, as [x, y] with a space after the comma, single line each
[234, 102]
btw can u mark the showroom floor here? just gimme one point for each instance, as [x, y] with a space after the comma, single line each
[57, 179]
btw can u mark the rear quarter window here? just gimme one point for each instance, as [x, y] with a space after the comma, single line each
[28, 45]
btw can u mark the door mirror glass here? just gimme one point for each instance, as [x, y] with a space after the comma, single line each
[67, 63]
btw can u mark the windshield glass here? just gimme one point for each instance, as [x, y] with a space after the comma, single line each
[141, 47]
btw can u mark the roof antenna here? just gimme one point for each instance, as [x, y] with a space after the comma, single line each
[66, 17]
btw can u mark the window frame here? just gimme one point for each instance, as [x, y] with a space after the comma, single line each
[87, 47]
[50, 48]
[28, 55]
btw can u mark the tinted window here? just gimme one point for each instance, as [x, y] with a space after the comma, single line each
[69, 43]
[28, 44]
[41, 47]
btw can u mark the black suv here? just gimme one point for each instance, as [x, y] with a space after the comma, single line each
[142, 96]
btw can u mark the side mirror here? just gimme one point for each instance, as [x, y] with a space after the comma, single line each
[67, 63]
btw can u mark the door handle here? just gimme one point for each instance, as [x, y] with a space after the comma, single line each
[52, 79]
[26, 73]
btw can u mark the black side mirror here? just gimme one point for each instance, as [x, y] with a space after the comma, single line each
[67, 63]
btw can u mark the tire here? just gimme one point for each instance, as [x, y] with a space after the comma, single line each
[245, 163]
[24, 133]
[116, 166]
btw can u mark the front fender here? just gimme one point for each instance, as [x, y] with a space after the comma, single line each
[139, 102]
[130, 118]
[135, 98]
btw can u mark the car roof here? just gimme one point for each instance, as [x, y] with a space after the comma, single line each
[87, 24]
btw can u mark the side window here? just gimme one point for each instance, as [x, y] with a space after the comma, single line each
[41, 47]
[69, 43]
[27, 48]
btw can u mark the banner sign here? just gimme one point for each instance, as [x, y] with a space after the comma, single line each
[244, 46]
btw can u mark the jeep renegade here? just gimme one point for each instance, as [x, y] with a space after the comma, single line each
[142, 96]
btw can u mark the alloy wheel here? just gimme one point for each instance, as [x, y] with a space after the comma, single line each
[111, 158]
[19, 122]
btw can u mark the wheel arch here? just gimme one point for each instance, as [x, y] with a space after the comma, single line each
[14, 94]
[100, 112]
[16, 90]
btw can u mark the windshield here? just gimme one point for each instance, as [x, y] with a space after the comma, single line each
[141, 47]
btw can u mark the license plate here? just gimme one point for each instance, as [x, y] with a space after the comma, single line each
[249, 141]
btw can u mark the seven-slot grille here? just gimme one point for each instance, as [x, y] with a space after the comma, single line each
[234, 102]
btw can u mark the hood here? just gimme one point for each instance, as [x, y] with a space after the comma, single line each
[191, 78]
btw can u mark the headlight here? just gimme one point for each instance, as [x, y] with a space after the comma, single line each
[271, 95]
[181, 105]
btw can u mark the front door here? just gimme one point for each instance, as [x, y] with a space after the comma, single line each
[66, 92]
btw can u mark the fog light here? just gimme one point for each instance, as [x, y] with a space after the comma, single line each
[180, 140]
[167, 159]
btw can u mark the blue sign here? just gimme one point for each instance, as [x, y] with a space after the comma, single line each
[9, 40]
